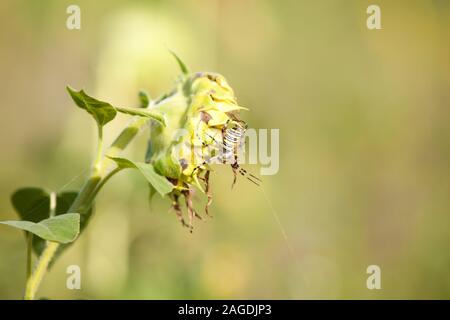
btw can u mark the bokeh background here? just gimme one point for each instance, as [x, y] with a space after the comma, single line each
[364, 146]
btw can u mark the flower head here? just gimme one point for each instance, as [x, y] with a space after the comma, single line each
[201, 127]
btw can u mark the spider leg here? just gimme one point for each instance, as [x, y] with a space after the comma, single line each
[208, 193]
[237, 168]
[191, 212]
[177, 209]
[234, 167]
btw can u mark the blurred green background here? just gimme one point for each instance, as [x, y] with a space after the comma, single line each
[364, 146]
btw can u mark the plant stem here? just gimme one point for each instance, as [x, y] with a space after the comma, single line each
[29, 253]
[98, 158]
[53, 196]
[41, 266]
[103, 182]
[100, 174]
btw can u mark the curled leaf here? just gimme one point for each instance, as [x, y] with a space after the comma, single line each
[102, 111]
[160, 183]
[180, 62]
[143, 113]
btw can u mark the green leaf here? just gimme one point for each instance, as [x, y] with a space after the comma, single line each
[33, 204]
[63, 203]
[102, 112]
[143, 113]
[143, 99]
[160, 183]
[183, 67]
[148, 152]
[63, 228]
